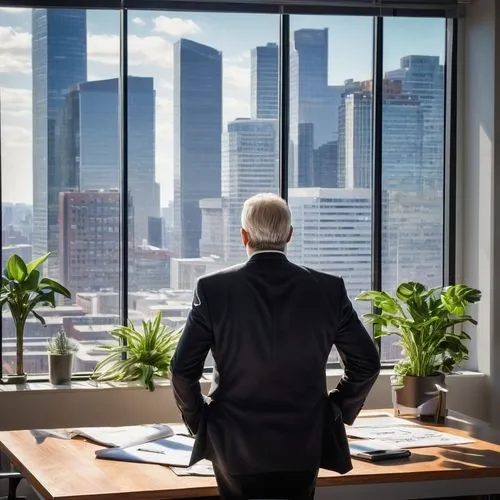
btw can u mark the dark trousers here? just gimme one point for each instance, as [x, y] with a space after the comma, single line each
[296, 485]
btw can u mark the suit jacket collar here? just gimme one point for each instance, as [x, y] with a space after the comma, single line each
[267, 255]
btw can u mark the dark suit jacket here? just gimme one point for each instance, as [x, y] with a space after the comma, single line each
[270, 325]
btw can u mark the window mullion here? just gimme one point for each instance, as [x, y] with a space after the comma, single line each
[377, 109]
[450, 152]
[124, 197]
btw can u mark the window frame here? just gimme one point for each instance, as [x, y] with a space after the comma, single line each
[284, 9]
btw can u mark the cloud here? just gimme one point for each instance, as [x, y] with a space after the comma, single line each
[139, 21]
[175, 26]
[237, 77]
[17, 163]
[16, 101]
[165, 84]
[15, 53]
[242, 58]
[142, 50]
[235, 107]
[164, 105]
[13, 10]
[16, 136]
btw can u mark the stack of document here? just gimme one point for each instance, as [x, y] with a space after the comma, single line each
[153, 444]
[175, 450]
[120, 437]
[124, 437]
[401, 433]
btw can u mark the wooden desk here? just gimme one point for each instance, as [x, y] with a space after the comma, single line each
[64, 470]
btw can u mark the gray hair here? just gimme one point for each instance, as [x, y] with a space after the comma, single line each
[267, 220]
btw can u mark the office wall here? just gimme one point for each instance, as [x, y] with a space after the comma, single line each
[84, 405]
[479, 183]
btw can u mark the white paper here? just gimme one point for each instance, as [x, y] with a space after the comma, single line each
[202, 468]
[369, 445]
[175, 450]
[124, 437]
[410, 436]
[42, 434]
[379, 422]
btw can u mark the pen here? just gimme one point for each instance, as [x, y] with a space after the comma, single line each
[151, 451]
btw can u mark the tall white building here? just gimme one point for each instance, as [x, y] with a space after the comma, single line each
[332, 233]
[212, 227]
[249, 166]
[412, 242]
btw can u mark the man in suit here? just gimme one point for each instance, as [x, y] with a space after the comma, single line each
[268, 423]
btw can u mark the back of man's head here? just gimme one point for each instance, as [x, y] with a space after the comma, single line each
[266, 220]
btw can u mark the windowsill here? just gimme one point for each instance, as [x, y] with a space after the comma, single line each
[86, 385]
[85, 403]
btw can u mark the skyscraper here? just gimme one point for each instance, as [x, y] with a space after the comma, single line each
[197, 138]
[305, 151]
[212, 233]
[314, 104]
[332, 233]
[312, 48]
[326, 166]
[90, 145]
[90, 246]
[59, 61]
[249, 166]
[355, 137]
[265, 81]
[401, 138]
[423, 77]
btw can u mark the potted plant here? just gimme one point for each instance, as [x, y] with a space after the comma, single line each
[140, 355]
[61, 349]
[22, 291]
[426, 321]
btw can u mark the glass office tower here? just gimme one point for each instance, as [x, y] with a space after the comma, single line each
[59, 61]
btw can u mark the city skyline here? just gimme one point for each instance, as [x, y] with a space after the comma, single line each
[219, 129]
[15, 90]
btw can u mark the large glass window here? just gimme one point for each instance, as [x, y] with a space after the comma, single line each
[330, 147]
[202, 138]
[203, 118]
[60, 171]
[412, 156]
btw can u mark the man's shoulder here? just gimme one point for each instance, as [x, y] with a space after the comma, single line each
[221, 274]
[321, 276]
[233, 271]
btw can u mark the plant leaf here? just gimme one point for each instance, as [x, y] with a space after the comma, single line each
[34, 264]
[16, 268]
[39, 318]
[31, 282]
[47, 283]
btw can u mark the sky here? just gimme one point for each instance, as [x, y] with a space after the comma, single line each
[150, 43]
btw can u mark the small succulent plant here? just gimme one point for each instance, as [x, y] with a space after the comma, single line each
[61, 344]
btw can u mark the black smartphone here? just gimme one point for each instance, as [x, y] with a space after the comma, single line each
[381, 455]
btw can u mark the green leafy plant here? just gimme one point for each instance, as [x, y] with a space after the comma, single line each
[140, 355]
[426, 321]
[61, 344]
[22, 291]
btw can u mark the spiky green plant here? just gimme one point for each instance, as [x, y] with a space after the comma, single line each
[22, 291]
[425, 321]
[61, 344]
[140, 355]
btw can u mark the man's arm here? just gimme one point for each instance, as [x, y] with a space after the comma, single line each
[360, 357]
[188, 360]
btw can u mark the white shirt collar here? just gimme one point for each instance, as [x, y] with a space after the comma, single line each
[267, 251]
